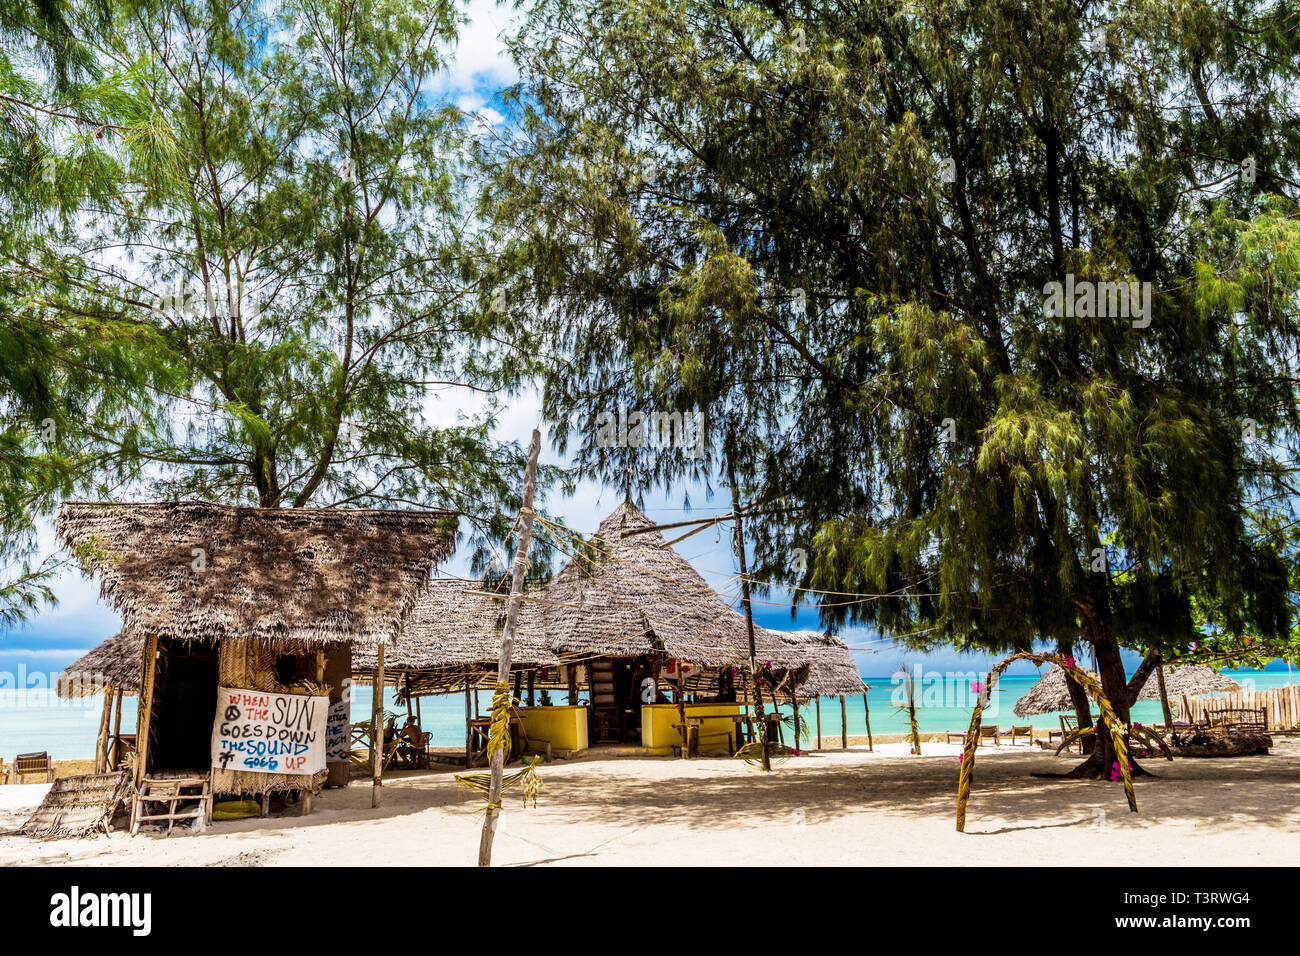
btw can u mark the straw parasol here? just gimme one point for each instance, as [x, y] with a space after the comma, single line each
[111, 665]
[1187, 679]
[630, 594]
[197, 571]
[1051, 694]
[831, 668]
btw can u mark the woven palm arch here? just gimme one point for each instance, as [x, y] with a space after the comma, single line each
[250, 584]
[1085, 680]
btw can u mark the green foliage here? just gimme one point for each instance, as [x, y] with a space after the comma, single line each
[832, 226]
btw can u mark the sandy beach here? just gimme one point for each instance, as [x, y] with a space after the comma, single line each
[832, 807]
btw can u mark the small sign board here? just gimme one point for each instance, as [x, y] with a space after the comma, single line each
[338, 733]
[262, 732]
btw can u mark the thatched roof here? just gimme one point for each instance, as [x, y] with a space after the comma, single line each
[634, 596]
[451, 627]
[1050, 693]
[1187, 679]
[113, 664]
[832, 669]
[298, 574]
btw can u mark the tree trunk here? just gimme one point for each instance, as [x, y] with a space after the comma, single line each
[1110, 667]
[1079, 701]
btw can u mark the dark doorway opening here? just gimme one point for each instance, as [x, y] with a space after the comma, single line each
[185, 704]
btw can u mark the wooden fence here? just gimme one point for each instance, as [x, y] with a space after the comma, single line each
[1280, 704]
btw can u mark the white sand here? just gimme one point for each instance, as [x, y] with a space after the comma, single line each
[824, 808]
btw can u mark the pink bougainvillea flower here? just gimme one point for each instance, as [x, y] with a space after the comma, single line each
[1070, 661]
[976, 687]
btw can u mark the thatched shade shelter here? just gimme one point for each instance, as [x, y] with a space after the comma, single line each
[1187, 679]
[832, 670]
[113, 665]
[198, 571]
[454, 634]
[633, 595]
[256, 600]
[1050, 694]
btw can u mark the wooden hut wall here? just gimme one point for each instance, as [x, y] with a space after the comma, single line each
[250, 665]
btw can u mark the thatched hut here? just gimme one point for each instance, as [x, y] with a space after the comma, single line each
[267, 602]
[113, 669]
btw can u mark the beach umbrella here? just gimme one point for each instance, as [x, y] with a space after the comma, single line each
[1048, 695]
[1187, 679]
[1051, 694]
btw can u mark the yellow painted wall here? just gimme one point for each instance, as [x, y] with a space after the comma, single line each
[657, 722]
[565, 727]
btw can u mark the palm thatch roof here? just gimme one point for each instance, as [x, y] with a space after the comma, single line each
[79, 806]
[1050, 694]
[450, 627]
[199, 571]
[832, 670]
[628, 594]
[113, 664]
[1187, 679]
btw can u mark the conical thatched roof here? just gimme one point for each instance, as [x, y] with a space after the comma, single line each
[635, 596]
[452, 627]
[1187, 679]
[832, 669]
[115, 664]
[198, 571]
[1050, 693]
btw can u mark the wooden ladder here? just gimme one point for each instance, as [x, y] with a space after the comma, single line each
[172, 790]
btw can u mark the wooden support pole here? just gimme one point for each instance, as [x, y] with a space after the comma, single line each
[1164, 697]
[145, 711]
[818, 702]
[377, 731]
[681, 708]
[407, 681]
[794, 702]
[101, 739]
[749, 617]
[508, 644]
[572, 671]
[532, 677]
[866, 709]
[844, 724]
[117, 731]
[469, 733]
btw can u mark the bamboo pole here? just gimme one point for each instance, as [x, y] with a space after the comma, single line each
[681, 709]
[377, 730]
[866, 709]
[794, 702]
[498, 756]
[844, 723]
[469, 734]
[818, 704]
[117, 731]
[101, 739]
[144, 720]
[749, 618]
[572, 674]
[1164, 697]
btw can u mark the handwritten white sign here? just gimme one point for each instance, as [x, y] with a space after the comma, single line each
[338, 733]
[262, 732]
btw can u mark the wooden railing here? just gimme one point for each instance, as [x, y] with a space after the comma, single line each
[1280, 704]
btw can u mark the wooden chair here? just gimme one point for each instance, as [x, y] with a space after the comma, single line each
[32, 763]
[1068, 726]
[1016, 731]
[990, 733]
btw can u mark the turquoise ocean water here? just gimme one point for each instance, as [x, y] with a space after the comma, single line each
[38, 720]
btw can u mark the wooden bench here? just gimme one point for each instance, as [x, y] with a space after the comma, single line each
[172, 790]
[1239, 718]
[32, 763]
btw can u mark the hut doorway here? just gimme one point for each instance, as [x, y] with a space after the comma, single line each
[185, 705]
